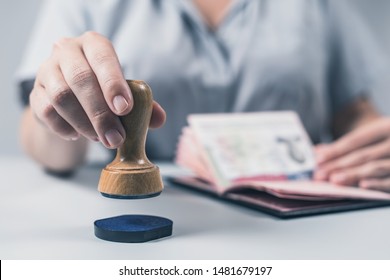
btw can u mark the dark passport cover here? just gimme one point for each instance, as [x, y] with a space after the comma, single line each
[276, 206]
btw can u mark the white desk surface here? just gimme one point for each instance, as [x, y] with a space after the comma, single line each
[42, 217]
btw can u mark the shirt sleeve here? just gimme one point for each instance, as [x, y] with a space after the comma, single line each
[357, 64]
[56, 19]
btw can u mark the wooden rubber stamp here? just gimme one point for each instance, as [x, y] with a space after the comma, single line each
[131, 175]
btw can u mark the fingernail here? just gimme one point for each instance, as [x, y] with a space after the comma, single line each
[113, 137]
[120, 103]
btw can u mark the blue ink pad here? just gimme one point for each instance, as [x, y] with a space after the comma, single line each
[133, 228]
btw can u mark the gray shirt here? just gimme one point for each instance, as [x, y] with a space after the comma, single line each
[313, 57]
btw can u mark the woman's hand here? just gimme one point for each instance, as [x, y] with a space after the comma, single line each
[360, 158]
[80, 90]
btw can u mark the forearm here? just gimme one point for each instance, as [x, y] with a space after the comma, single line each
[48, 149]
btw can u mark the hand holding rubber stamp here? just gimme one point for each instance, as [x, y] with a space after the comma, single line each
[80, 91]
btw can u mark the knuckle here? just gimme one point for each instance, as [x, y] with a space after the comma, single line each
[362, 157]
[91, 33]
[82, 77]
[102, 57]
[113, 84]
[61, 96]
[48, 112]
[92, 36]
[62, 43]
[100, 115]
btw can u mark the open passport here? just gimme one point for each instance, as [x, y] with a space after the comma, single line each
[263, 160]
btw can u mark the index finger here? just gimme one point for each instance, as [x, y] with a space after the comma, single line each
[354, 140]
[104, 62]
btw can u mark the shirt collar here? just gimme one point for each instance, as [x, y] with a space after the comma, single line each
[188, 9]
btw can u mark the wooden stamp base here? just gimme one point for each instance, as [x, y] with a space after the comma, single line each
[131, 184]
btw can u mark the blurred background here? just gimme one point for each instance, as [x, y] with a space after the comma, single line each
[16, 21]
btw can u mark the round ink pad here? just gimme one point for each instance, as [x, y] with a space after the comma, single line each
[133, 228]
